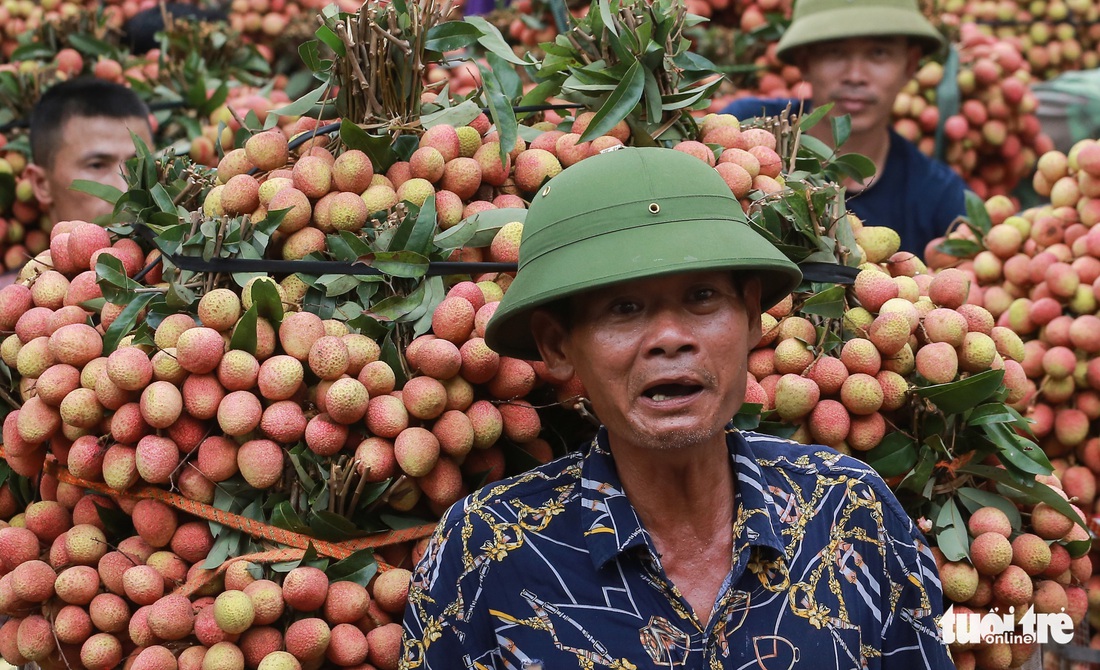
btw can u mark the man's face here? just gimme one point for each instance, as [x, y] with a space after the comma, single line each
[92, 148]
[861, 76]
[663, 359]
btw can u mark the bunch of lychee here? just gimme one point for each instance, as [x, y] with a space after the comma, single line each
[1038, 273]
[909, 327]
[995, 137]
[78, 600]
[1016, 570]
[1055, 37]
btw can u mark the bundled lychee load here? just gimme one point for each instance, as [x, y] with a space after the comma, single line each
[155, 431]
[908, 371]
[994, 137]
[1038, 272]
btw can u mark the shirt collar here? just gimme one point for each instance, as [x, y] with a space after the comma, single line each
[611, 525]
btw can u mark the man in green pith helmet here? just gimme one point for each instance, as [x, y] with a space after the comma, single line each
[858, 55]
[672, 540]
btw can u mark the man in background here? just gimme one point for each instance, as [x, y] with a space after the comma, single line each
[858, 55]
[80, 129]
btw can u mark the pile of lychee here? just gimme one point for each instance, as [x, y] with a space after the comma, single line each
[1013, 571]
[1055, 37]
[78, 598]
[909, 327]
[995, 137]
[1038, 273]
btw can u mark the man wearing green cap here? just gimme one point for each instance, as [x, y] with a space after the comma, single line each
[672, 540]
[858, 55]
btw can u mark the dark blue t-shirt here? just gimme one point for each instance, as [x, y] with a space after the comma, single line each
[915, 195]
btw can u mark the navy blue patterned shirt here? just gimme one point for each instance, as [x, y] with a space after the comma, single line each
[552, 569]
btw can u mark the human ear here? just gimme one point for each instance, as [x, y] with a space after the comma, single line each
[750, 295]
[550, 336]
[40, 184]
[913, 57]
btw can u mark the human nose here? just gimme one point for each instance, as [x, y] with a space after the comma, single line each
[854, 70]
[669, 332]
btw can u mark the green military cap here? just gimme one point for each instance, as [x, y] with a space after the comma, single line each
[825, 20]
[628, 214]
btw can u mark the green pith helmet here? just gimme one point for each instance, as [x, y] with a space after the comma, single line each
[623, 215]
[825, 20]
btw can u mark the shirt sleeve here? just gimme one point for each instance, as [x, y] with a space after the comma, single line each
[443, 628]
[912, 636]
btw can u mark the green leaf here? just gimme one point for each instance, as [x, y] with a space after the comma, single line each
[303, 104]
[377, 148]
[895, 455]
[244, 333]
[89, 45]
[310, 53]
[326, 35]
[284, 516]
[456, 236]
[977, 213]
[493, 41]
[919, 477]
[974, 499]
[990, 413]
[1031, 490]
[810, 120]
[619, 104]
[401, 522]
[224, 546]
[104, 192]
[842, 129]
[500, 109]
[1018, 451]
[416, 236]
[450, 36]
[857, 164]
[117, 288]
[162, 199]
[605, 16]
[266, 300]
[392, 355]
[459, 115]
[360, 568]
[397, 263]
[125, 321]
[958, 396]
[333, 527]
[951, 532]
[829, 303]
[959, 248]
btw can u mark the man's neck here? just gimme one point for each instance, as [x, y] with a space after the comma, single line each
[874, 144]
[680, 493]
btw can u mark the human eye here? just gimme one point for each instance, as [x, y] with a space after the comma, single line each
[624, 307]
[703, 294]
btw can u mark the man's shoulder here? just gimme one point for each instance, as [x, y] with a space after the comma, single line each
[803, 463]
[529, 487]
[810, 459]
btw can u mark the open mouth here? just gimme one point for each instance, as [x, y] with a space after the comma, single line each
[662, 392]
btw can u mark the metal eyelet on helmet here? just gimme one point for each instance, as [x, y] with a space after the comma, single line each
[654, 208]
